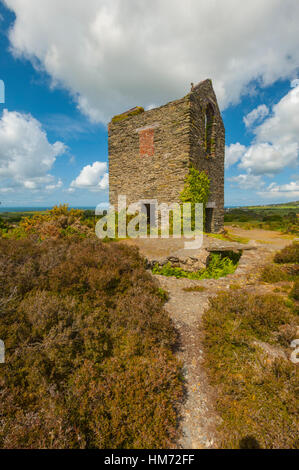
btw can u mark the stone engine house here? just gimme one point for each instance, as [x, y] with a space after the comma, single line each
[150, 152]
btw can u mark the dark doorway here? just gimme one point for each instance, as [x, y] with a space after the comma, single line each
[150, 211]
[147, 208]
[209, 219]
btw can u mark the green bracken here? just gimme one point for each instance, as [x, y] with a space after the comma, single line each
[218, 267]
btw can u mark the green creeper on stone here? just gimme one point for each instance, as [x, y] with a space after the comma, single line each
[196, 189]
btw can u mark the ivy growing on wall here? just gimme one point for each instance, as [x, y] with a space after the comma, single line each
[197, 187]
[196, 190]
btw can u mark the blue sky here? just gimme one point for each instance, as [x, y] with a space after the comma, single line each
[68, 67]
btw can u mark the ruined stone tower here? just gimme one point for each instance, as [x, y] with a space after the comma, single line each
[150, 151]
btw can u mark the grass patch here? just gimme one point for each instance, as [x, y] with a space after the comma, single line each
[235, 286]
[227, 236]
[256, 391]
[219, 266]
[163, 294]
[282, 218]
[194, 289]
[282, 289]
[123, 116]
[89, 360]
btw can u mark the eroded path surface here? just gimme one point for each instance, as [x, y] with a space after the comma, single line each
[198, 416]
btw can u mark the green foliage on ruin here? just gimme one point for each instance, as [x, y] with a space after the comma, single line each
[123, 116]
[219, 266]
[196, 188]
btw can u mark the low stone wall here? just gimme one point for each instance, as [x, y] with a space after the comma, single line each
[193, 263]
[187, 263]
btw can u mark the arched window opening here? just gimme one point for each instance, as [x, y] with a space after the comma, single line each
[209, 130]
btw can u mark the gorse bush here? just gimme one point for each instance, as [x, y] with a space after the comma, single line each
[59, 222]
[218, 266]
[255, 382]
[89, 358]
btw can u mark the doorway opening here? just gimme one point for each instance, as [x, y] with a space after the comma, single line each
[209, 212]
[147, 208]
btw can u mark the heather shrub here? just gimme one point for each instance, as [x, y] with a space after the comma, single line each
[292, 270]
[272, 273]
[295, 291]
[89, 360]
[246, 357]
[289, 254]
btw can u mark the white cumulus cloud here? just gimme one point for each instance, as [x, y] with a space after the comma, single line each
[92, 177]
[26, 155]
[288, 191]
[294, 82]
[268, 159]
[247, 181]
[255, 115]
[233, 153]
[276, 142]
[112, 55]
[274, 148]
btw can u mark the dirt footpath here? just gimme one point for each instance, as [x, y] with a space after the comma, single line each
[276, 239]
[198, 416]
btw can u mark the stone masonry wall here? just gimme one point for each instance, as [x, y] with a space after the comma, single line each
[150, 153]
[211, 159]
